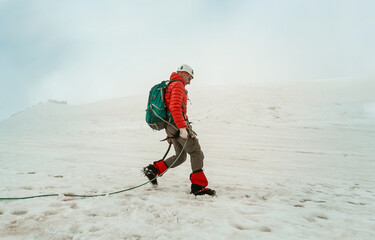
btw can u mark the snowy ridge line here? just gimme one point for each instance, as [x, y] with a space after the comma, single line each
[98, 195]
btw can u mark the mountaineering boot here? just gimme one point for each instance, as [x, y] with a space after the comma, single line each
[199, 190]
[199, 183]
[153, 170]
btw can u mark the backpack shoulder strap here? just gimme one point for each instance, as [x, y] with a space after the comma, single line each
[174, 80]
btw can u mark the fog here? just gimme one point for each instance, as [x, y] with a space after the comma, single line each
[86, 51]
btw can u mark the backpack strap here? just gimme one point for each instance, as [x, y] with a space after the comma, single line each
[174, 80]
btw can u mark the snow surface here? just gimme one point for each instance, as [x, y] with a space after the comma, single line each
[288, 162]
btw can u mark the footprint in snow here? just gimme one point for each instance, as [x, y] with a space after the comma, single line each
[357, 203]
[95, 229]
[299, 206]
[265, 229]
[316, 216]
[241, 227]
[50, 213]
[19, 212]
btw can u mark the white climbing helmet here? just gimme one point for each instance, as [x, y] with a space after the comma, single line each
[186, 68]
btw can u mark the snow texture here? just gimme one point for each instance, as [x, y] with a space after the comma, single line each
[287, 162]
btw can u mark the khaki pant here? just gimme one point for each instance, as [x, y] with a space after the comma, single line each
[192, 148]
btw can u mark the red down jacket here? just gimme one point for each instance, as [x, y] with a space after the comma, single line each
[176, 100]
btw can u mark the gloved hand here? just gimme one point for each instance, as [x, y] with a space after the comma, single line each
[183, 133]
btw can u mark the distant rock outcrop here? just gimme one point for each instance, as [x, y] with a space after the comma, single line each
[56, 101]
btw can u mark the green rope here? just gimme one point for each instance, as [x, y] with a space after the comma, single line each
[97, 195]
[37, 196]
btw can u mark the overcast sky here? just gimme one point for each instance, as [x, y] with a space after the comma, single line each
[85, 51]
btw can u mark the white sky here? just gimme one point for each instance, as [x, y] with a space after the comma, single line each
[84, 51]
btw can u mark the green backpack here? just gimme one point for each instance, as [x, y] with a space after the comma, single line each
[157, 116]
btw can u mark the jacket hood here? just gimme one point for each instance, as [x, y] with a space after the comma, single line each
[176, 76]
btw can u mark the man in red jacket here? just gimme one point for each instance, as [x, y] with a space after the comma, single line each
[179, 131]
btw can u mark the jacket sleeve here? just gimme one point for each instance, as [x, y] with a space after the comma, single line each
[175, 105]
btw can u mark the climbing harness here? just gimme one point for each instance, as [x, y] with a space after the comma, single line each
[103, 194]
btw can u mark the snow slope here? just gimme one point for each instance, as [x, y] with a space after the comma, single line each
[288, 162]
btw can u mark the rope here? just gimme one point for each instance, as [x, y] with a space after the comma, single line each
[96, 195]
